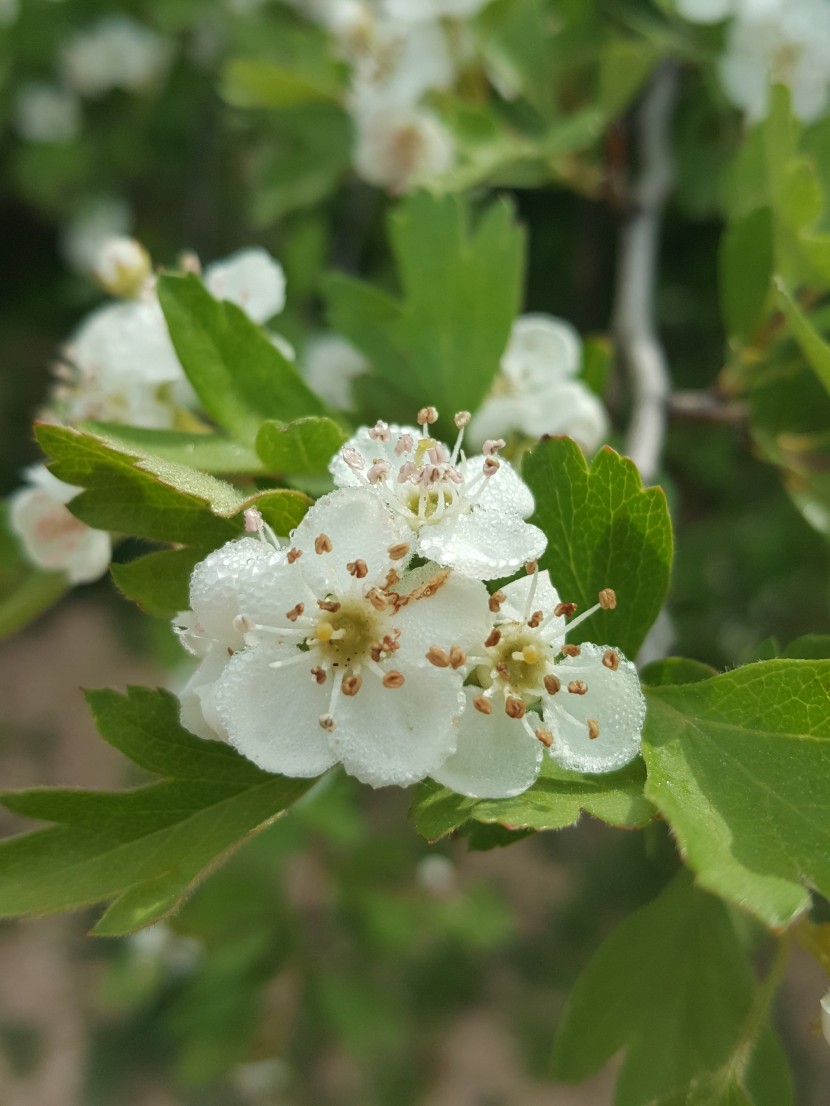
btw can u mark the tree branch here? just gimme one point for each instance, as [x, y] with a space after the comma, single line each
[634, 323]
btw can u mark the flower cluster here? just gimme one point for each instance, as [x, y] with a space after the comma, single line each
[771, 42]
[371, 639]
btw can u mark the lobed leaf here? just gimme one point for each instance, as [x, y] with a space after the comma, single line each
[302, 447]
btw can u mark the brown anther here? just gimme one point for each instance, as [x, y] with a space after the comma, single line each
[319, 674]
[483, 704]
[391, 644]
[577, 687]
[513, 707]
[571, 650]
[491, 466]
[392, 577]
[351, 685]
[322, 544]
[326, 722]
[293, 555]
[427, 415]
[295, 612]
[531, 567]
[393, 678]
[438, 656]
[496, 600]
[377, 599]
[611, 659]
[593, 729]
[607, 599]
[564, 609]
[494, 638]
[457, 656]
[535, 619]
[461, 419]
[552, 684]
[398, 551]
[358, 568]
[376, 651]
[330, 605]
[502, 669]
[545, 736]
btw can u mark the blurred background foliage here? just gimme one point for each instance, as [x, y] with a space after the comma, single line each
[335, 957]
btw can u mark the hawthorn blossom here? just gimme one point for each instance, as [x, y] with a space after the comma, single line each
[122, 266]
[399, 148]
[115, 52]
[46, 113]
[537, 390]
[87, 231]
[415, 10]
[318, 653]
[466, 514]
[52, 537]
[251, 279]
[330, 364]
[581, 703]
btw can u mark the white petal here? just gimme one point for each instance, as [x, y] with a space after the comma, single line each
[397, 736]
[359, 527]
[504, 491]
[541, 349]
[198, 697]
[825, 1017]
[54, 539]
[457, 614]
[614, 700]
[496, 756]
[568, 407]
[545, 599]
[272, 715]
[485, 544]
[251, 279]
[370, 450]
[237, 579]
[497, 417]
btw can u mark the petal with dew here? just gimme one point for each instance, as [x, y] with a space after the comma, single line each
[272, 715]
[198, 697]
[483, 544]
[495, 758]
[456, 613]
[227, 583]
[613, 702]
[504, 491]
[522, 599]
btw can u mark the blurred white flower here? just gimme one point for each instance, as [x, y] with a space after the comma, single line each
[437, 875]
[84, 235]
[465, 514]
[415, 10]
[394, 63]
[330, 364]
[779, 43]
[46, 113]
[537, 390]
[251, 279]
[122, 266]
[401, 148]
[589, 698]
[51, 535]
[116, 52]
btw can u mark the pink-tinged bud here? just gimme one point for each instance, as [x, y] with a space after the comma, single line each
[380, 432]
[378, 472]
[253, 520]
[352, 458]
[492, 446]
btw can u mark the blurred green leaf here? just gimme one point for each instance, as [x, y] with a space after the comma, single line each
[250, 83]
[241, 378]
[673, 987]
[146, 847]
[557, 799]
[737, 764]
[745, 266]
[304, 446]
[604, 530]
[675, 670]
[812, 345]
[158, 582]
[624, 66]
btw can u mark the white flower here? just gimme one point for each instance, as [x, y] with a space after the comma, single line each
[45, 113]
[330, 364]
[582, 703]
[122, 266]
[394, 63]
[465, 514]
[401, 147]
[115, 52]
[51, 535]
[825, 1017]
[537, 391]
[785, 44]
[334, 665]
[416, 10]
[251, 279]
[83, 236]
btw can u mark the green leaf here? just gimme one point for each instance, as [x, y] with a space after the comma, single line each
[624, 66]
[442, 343]
[303, 447]
[812, 345]
[557, 799]
[136, 493]
[673, 988]
[746, 264]
[240, 377]
[604, 530]
[146, 847]
[206, 452]
[740, 767]
[249, 83]
[809, 647]
[158, 582]
[32, 594]
[675, 670]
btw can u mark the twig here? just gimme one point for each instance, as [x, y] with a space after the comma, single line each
[706, 406]
[633, 321]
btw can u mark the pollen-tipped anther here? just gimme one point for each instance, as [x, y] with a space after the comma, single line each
[427, 416]
[438, 656]
[322, 544]
[607, 599]
[326, 722]
[398, 551]
[571, 650]
[593, 729]
[552, 684]
[457, 656]
[564, 610]
[482, 704]
[253, 520]
[545, 736]
[493, 639]
[462, 419]
[611, 659]
[577, 687]
[492, 446]
[393, 678]
[380, 432]
[351, 685]
[496, 600]
[359, 569]
[513, 707]
[490, 467]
